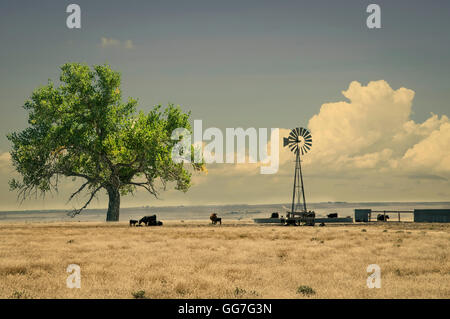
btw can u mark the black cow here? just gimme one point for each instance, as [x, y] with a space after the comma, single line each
[332, 215]
[133, 222]
[382, 217]
[215, 219]
[148, 220]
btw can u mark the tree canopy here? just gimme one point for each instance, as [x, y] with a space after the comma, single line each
[82, 129]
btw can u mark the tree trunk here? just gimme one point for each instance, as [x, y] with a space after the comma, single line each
[114, 205]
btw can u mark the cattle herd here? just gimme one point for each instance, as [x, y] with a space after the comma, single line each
[146, 220]
[152, 221]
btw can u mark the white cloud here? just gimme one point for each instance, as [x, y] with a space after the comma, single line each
[370, 134]
[111, 42]
[432, 153]
[373, 130]
[365, 124]
[129, 44]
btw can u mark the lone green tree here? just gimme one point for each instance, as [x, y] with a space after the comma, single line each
[82, 129]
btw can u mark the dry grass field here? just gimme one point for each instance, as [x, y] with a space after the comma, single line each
[235, 260]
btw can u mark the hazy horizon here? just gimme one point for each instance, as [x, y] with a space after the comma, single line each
[238, 204]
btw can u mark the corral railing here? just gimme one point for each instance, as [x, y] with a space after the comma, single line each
[375, 213]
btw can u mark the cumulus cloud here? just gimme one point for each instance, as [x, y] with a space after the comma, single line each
[432, 153]
[369, 133]
[373, 130]
[111, 42]
[364, 123]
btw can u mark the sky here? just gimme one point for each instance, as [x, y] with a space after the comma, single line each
[376, 100]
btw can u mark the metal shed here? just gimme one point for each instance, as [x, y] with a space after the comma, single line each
[432, 215]
[362, 215]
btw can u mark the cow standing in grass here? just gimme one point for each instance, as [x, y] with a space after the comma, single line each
[215, 219]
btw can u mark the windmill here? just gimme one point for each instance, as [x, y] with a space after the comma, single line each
[299, 142]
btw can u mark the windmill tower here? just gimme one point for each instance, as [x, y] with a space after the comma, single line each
[299, 142]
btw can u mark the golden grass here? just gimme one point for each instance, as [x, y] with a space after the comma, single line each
[235, 260]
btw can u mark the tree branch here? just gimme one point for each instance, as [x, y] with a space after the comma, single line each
[77, 211]
[78, 191]
[147, 185]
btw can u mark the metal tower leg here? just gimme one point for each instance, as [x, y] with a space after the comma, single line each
[295, 186]
[298, 187]
[303, 189]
